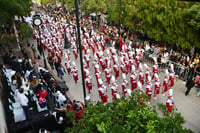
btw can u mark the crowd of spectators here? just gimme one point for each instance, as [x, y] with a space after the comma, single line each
[186, 64]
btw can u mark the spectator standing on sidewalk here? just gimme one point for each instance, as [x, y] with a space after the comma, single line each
[51, 61]
[23, 100]
[61, 71]
[56, 64]
[189, 84]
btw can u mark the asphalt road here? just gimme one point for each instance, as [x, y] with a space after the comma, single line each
[189, 106]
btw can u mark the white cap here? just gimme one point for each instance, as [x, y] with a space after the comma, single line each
[88, 51]
[117, 96]
[133, 68]
[129, 91]
[87, 72]
[172, 67]
[149, 79]
[12, 73]
[116, 59]
[140, 66]
[156, 77]
[139, 84]
[122, 59]
[60, 119]
[113, 79]
[170, 92]
[95, 57]
[107, 51]
[166, 72]
[96, 66]
[58, 92]
[146, 66]
[73, 64]
[155, 59]
[100, 81]
[113, 50]
[123, 75]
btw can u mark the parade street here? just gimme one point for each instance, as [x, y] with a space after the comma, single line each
[188, 106]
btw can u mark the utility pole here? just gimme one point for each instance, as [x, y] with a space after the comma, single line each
[80, 49]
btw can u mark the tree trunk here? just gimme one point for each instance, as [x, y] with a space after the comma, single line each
[16, 34]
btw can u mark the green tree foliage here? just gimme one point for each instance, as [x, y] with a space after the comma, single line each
[26, 31]
[70, 4]
[10, 8]
[161, 20]
[193, 16]
[127, 116]
[90, 6]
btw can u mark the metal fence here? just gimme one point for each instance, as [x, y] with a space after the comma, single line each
[181, 71]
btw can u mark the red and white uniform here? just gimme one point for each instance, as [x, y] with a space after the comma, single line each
[88, 82]
[98, 76]
[75, 74]
[130, 54]
[147, 73]
[122, 68]
[107, 60]
[124, 86]
[96, 68]
[95, 62]
[155, 69]
[102, 63]
[127, 66]
[68, 66]
[131, 63]
[157, 88]
[169, 104]
[149, 90]
[67, 55]
[139, 86]
[115, 59]
[137, 61]
[116, 96]
[133, 80]
[165, 85]
[87, 58]
[108, 74]
[102, 94]
[171, 79]
[141, 77]
[85, 70]
[116, 70]
[114, 90]
[124, 47]
[75, 53]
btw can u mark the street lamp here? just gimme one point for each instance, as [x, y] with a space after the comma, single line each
[67, 45]
[37, 21]
[119, 32]
[80, 49]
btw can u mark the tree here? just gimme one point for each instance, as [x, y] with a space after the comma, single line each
[193, 16]
[128, 115]
[160, 20]
[8, 11]
[25, 32]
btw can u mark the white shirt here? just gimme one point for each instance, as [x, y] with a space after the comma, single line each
[61, 98]
[23, 100]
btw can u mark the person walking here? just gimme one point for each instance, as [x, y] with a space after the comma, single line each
[189, 84]
[23, 100]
